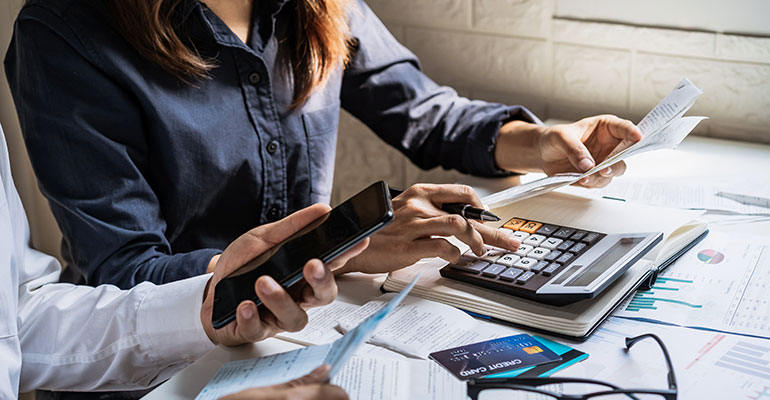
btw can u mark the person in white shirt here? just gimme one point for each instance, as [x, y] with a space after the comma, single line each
[66, 337]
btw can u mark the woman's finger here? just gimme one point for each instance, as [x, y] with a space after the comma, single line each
[496, 237]
[619, 168]
[622, 129]
[346, 256]
[321, 288]
[289, 316]
[450, 225]
[595, 181]
[435, 247]
[577, 153]
[442, 194]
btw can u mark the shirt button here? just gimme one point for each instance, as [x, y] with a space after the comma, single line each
[254, 78]
[274, 213]
[272, 147]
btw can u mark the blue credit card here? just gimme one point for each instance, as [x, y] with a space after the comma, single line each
[494, 356]
[569, 356]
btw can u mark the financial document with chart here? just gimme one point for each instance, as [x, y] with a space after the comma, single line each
[721, 284]
[708, 365]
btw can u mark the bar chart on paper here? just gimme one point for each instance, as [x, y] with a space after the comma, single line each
[648, 299]
[722, 284]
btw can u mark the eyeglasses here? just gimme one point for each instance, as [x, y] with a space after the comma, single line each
[572, 388]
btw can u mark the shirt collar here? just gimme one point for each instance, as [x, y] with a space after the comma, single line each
[263, 22]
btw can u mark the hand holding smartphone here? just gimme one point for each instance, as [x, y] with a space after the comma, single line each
[325, 238]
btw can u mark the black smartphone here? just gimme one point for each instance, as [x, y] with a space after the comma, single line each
[325, 238]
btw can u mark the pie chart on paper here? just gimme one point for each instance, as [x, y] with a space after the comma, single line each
[709, 256]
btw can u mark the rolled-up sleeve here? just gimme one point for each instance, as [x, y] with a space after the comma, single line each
[384, 87]
[79, 122]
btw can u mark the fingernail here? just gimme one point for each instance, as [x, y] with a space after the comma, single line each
[607, 171]
[585, 164]
[585, 181]
[514, 242]
[246, 312]
[319, 272]
[268, 286]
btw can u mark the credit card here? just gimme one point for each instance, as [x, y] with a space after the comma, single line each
[494, 356]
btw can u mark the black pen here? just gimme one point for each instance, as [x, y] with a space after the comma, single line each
[467, 211]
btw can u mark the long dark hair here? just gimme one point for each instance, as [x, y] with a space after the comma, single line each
[316, 44]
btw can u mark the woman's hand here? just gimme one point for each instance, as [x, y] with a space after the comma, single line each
[308, 387]
[283, 312]
[575, 147]
[418, 221]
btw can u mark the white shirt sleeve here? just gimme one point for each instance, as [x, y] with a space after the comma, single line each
[66, 337]
[84, 338]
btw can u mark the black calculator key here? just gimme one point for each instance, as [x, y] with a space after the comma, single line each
[493, 270]
[552, 255]
[565, 258]
[510, 274]
[578, 247]
[591, 238]
[549, 270]
[539, 266]
[564, 233]
[578, 235]
[547, 230]
[523, 278]
[565, 245]
[471, 265]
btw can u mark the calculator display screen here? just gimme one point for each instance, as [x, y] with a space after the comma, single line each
[605, 261]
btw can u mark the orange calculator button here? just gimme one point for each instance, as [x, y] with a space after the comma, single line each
[514, 224]
[531, 227]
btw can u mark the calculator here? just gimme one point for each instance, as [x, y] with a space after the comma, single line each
[555, 264]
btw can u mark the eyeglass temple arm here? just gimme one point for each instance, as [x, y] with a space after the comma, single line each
[630, 341]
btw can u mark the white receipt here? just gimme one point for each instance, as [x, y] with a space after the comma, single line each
[419, 327]
[321, 325]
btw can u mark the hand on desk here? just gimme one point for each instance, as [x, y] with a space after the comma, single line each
[308, 387]
[575, 147]
[418, 220]
[285, 314]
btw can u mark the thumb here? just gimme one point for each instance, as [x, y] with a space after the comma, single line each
[282, 229]
[576, 151]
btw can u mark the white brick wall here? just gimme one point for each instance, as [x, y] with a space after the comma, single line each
[514, 51]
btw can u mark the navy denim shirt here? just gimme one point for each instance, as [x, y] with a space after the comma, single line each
[148, 177]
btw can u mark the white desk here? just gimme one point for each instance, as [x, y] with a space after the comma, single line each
[696, 158]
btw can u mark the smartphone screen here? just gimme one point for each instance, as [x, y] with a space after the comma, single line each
[325, 238]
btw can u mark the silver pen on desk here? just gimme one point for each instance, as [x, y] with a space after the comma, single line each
[746, 199]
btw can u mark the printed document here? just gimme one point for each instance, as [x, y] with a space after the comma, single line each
[662, 128]
[685, 194]
[720, 284]
[708, 365]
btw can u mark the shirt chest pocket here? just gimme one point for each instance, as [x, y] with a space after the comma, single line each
[321, 134]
